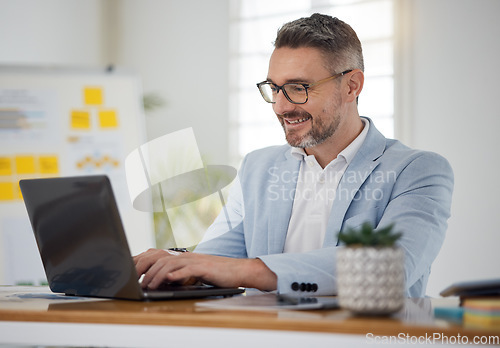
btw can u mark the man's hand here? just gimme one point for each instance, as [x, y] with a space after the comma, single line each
[160, 266]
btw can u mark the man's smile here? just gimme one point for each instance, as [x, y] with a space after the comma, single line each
[300, 120]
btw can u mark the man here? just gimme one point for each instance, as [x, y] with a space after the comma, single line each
[337, 171]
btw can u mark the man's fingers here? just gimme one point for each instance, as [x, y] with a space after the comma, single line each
[149, 278]
[144, 261]
[182, 275]
[161, 270]
[159, 267]
[142, 266]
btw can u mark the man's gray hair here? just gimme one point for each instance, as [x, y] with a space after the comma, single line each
[337, 41]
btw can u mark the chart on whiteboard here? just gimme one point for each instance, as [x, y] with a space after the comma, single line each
[28, 115]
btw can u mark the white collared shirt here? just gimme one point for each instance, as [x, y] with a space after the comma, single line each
[314, 195]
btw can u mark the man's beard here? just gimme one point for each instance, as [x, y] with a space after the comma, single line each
[318, 134]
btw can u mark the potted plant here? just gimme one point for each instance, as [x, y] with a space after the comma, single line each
[370, 270]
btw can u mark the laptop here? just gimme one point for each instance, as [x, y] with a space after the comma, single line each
[83, 245]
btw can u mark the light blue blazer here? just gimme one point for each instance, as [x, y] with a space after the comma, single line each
[385, 183]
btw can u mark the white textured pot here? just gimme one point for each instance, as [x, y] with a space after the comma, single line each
[371, 280]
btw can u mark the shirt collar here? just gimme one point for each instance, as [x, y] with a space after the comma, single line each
[348, 153]
[298, 153]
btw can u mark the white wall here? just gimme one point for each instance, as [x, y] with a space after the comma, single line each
[51, 32]
[455, 94]
[180, 48]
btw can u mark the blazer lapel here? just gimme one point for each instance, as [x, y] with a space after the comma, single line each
[281, 208]
[362, 165]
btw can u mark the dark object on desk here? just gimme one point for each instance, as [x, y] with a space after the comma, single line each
[83, 245]
[478, 288]
[307, 302]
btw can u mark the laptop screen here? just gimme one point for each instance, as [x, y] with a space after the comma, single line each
[80, 236]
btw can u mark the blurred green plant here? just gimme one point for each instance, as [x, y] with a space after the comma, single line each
[152, 101]
[194, 218]
[190, 220]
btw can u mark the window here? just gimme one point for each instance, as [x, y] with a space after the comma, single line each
[253, 27]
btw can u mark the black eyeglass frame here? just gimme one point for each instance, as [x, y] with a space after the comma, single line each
[305, 85]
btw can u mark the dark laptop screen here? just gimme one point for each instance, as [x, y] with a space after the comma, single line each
[80, 236]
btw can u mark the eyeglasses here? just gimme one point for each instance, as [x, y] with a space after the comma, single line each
[295, 93]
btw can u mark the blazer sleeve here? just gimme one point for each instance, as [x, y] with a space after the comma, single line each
[225, 236]
[420, 206]
[309, 273]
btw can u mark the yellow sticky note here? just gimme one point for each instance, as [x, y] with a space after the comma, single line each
[5, 166]
[80, 119]
[108, 119]
[25, 164]
[49, 164]
[6, 191]
[92, 95]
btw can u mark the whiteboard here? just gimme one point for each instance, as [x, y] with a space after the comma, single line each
[64, 122]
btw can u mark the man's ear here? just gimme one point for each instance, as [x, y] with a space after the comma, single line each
[355, 80]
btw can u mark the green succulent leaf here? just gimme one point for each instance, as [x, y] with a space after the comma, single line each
[366, 235]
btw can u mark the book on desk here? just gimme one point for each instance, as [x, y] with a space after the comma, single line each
[479, 303]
